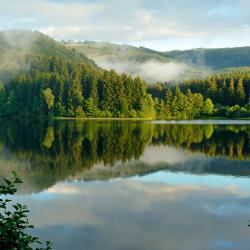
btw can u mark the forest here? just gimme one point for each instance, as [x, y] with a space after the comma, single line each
[225, 94]
[52, 80]
[56, 87]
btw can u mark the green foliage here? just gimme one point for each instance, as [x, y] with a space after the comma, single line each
[179, 105]
[56, 81]
[14, 222]
[49, 98]
[79, 113]
[208, 107]
[240, 94]
[12, 105]
[57, 87]
[237, 112]
[225, 90]
[91, 108]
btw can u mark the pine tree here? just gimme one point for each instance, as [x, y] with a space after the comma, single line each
[12, 104]
[213, 88]
[231, 93]
[169, 99]
[91, 108]
[240, 93]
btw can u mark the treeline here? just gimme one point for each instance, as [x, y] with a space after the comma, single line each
[54, 86]
[229, 93]
[178, 105]
[59, 87]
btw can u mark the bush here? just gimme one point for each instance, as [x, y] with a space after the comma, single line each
[237, 112]
[220, 110]
[14, 222]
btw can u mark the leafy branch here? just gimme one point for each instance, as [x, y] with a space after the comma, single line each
[14, 221]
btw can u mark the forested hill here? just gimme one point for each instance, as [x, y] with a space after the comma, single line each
[19, 47]
[214, 58]
[21, 43]
[114, 52]
[197, 59]
[151, 65]
[42, 77]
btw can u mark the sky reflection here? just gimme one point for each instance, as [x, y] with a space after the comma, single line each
[143, 213]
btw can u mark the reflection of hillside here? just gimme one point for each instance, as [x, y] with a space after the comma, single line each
[203, 166]
[43, 154]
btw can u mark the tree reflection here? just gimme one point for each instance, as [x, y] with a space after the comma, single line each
[64, 148]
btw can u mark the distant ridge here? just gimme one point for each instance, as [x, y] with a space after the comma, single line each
[214, 58]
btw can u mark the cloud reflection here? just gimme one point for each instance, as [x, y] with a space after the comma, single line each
[132, 214]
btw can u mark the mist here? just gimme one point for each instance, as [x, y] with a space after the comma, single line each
[15, 45]
[152, 71]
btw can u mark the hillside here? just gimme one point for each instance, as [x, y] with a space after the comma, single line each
[19, 47]
[163, 66]
[214, 58]
[43, 78]
[152, 66]
[114, 52]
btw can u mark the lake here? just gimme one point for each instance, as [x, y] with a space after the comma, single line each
[116, 185]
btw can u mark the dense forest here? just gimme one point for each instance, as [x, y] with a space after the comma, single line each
[54, 86]
[43, 78]
[227, 94]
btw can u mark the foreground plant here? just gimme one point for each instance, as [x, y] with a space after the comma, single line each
[14, 221]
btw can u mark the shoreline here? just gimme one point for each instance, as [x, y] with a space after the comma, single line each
[103, 118]
[209, 120]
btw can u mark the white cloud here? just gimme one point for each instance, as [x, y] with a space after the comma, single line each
[141, 20]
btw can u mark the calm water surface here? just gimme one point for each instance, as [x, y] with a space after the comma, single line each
[133, 185]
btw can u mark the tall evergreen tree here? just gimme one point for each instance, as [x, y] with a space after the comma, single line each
[231, 92]
[240, 93]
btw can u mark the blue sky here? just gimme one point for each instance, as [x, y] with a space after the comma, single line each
[157, 24]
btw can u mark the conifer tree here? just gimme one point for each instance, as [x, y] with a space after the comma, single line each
[231, 92]
[240, 93]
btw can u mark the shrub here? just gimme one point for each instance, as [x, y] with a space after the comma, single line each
[14, 221]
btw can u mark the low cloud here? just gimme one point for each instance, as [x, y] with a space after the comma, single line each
[151, 71]
[16, 45]
[155, 71]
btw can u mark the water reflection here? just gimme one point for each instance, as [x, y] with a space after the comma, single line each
[43, 154]
[133, 214]
[171, 186]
